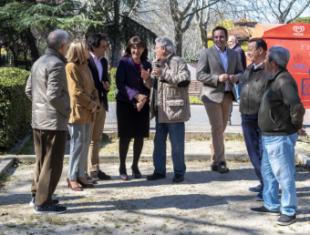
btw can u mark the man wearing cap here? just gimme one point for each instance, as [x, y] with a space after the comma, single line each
[280, 117]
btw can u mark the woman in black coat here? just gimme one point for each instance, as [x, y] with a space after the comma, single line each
[132, 108]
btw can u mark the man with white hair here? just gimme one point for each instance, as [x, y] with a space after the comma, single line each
[47, 89]
[170, 106]
[280, 117]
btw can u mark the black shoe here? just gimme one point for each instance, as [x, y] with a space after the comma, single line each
[256, 189]
[155, 176]
[103, 176]
[178, 178]
[221, 168]
[50, 209]
[32, 202]
[285, 220]
[136, 173]
[263, 209]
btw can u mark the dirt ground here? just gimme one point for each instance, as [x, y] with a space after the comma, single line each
[205, 203]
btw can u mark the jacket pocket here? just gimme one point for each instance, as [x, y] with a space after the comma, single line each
[175, 109]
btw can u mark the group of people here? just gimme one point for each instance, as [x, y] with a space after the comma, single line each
[68, 87]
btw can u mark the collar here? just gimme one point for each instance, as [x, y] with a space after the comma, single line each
[258, 66]
[50, 51]
[219, 50]
[94, 56]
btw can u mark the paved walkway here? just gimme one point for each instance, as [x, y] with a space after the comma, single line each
[206, 203]
[199, 121]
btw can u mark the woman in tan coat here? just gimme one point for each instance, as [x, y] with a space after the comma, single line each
[84, 103]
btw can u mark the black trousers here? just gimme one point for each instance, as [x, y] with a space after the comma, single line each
[50, 149]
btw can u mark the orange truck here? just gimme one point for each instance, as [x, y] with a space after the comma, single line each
[296, 38]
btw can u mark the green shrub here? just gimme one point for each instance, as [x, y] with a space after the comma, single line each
[15, 108]
[112, 92]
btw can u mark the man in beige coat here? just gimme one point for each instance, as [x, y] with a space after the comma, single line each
[216, 68]
[170, 106]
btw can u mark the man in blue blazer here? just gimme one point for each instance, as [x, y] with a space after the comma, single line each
[98, 45]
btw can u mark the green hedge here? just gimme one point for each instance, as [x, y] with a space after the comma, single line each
[15, 108]
[112, 92]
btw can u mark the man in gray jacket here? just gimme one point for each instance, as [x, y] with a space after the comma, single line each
[216, 69]
[47, 89]
[170, 106]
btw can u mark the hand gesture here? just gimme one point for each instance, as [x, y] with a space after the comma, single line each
[145, 74]
[157, 72]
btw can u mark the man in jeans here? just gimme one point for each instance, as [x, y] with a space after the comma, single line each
[47, 89]
[280, 117]
[253, 82]
[170, 106]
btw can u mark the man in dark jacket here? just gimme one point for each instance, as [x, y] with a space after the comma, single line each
[253, 81]
[47, 89]
[280, 117]
[98, 45]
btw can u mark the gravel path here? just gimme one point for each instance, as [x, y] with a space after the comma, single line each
[206, 203]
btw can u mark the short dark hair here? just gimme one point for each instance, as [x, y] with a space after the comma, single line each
[259, 43]
[93, 41]
[220, 28]
[136, 41]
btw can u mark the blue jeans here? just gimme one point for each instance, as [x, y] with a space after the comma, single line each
[176, 133]
[252, 138]
[278, 168]
[79, 142]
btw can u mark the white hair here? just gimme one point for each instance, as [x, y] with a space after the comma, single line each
[166, 43]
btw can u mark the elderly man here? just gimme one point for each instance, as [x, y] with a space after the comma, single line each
[98, 45]
[216, 68]
[254, 81]
[280, 117]
[47, 88]
[170, 106]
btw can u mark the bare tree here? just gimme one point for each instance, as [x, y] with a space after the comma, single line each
[281, 11]
[183, 15]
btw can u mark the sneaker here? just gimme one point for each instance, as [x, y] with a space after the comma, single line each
[178, 178]
[103, 176]
[49, 209]
[32, 202]
[285, 220]
[263, 209]
[155, 176]
[256, 189]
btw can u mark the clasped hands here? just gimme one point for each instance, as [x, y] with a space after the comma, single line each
[227, 77]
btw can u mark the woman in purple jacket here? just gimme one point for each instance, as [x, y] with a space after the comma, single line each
[132, 107]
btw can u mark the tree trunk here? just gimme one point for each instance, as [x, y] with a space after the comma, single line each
[178, 38]
[203, 35]
[116, 40]
[31, 42]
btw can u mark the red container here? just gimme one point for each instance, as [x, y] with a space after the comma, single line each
[296, 38]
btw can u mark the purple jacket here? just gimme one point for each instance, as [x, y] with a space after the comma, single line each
[129, 81]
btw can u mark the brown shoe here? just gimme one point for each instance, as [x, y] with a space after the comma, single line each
[85, 183]
[74, 185]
